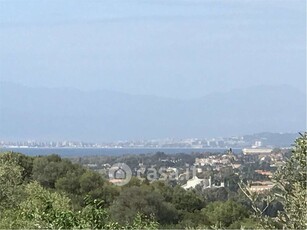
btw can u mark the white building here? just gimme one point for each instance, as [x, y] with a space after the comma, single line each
[205, 183]
[192, 183]
[256, 151]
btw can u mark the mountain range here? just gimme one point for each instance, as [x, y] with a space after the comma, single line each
[65, 113]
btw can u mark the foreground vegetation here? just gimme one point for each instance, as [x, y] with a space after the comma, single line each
[51, 192]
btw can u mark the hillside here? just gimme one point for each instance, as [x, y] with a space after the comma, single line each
[63, 113]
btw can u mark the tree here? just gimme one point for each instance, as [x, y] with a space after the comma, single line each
[187, 200]
[46, 170]
[143, 222]
[143, 200]
[10, 184]
[215, 194]
[194, 220]
[224, 214]
[291, 180]
[11, 192]
[290, 190]
[69, 183]
[23, 161]
[51, 210]
[42, 208]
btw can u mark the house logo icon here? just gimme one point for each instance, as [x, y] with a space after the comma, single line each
[120, 174]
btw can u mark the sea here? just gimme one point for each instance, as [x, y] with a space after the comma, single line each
[82, 152]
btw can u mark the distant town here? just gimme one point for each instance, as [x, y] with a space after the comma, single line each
[260, 140]
[197, 170]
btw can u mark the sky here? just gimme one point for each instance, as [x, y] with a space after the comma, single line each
[170, 48]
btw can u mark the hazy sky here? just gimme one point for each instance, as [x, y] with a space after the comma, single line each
[173, 48]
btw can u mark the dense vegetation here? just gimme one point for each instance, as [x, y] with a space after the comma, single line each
[51, 192]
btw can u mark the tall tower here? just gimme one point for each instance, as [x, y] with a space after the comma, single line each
[231, 155]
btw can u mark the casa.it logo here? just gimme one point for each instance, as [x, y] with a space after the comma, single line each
[120, 174]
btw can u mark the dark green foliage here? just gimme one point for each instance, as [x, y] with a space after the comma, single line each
[225, 213]
[69, 183]
[187, 200]
[90, 181]
[193, 220]
[46, 170]
[134, 200]
[213, 194]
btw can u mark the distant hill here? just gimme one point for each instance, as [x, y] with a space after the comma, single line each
[272, 139]
[60, 113]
